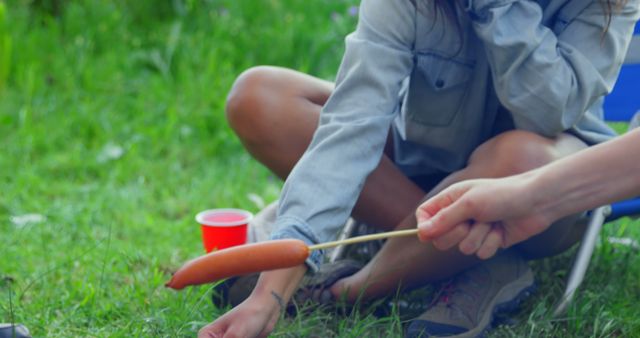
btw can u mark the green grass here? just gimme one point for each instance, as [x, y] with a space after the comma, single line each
[112, 129]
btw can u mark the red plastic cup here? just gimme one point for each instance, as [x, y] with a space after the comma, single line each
[223, 228]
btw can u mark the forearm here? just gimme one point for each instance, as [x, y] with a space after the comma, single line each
[258, 314]
[600, 175]
[278, 286]
[323, 187]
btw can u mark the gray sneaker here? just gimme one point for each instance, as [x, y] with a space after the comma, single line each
[466, 306]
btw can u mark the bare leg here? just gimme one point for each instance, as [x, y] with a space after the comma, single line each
[407, 261]
[275, 112]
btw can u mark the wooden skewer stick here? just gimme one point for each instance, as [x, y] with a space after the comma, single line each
[365, 238]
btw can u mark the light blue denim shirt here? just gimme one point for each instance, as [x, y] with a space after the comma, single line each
[548, 62]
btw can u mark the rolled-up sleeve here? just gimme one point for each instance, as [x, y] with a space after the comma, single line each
[322, 189]
[549, 81]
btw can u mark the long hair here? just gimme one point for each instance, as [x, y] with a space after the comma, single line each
[609, 7]
[447, 9]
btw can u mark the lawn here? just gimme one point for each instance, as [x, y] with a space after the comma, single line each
[113, 137]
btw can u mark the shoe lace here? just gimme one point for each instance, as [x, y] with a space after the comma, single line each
[445, 293]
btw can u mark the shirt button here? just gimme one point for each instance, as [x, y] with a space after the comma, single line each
[439, 83]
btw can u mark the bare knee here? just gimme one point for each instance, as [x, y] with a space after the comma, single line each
[514, 152]
[248, 100]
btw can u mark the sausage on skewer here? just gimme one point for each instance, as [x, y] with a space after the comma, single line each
[257, 257]
[240, 260]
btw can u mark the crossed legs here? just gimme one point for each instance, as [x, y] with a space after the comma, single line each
[274, 112]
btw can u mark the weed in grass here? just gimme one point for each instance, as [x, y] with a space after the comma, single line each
[5, 48]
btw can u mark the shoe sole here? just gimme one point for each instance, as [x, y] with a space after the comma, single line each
[502, 303]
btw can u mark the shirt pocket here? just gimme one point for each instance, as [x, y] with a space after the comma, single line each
[437, 90]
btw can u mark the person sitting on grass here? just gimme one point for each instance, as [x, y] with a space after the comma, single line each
[429, 93]
[482, 216]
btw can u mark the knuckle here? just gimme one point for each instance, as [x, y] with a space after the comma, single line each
[438, 244]
[474, 208]
[467, 247]
[463, 229]
[468, 204]
[440, 218]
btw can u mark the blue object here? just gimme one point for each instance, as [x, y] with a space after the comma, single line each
[625, 208]
[624, 100]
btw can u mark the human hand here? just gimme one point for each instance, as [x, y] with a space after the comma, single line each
[481, 216]
[258, 314]
[255, 317]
